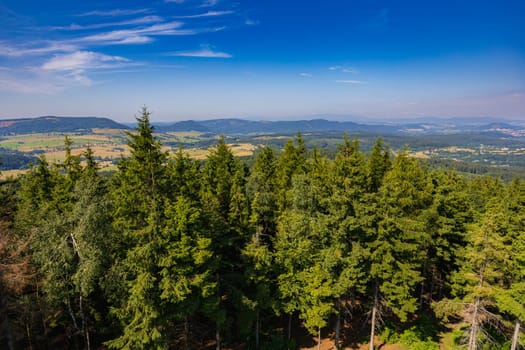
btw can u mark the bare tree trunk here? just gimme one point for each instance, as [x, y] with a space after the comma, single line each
[218, 338]
[75, 324]
[319, 340]
[516, 336]
[338, 324]
[472, 343]
[72, 315]
[88, 340]
[257, 329]
[28, 331]
[374, 312]
[85, 329]
[474, 328]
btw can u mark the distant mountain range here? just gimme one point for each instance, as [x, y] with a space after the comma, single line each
[56, 124]
[243, 127]
[413, 127]
[430, 126]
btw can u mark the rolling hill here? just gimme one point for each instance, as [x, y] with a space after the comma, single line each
[56, 124]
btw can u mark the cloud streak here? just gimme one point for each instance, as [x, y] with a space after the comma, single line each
[82, 61]
[114, 13]
[343, 69]
[205, 52]
[141, 20]
[207, 14]
[45, 48]
[137, 35]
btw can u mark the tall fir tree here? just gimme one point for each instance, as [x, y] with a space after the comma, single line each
[446, 222]
[224, 201]
[378, 164]
[303, 249]
[396, 238]
[344, 201]
[258, 253]
[139, 193]
[185, 259]
[292, 161]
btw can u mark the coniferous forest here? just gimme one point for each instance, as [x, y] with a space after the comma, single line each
[169, 252]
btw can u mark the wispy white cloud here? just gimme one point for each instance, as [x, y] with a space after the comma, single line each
[140, 30]
[208, 14]
[82, 61]
[251, 22]
[344, 69]
[44, 48]
[137, 35]
[141, 20]
[205, 52]
[306, 75]
[72, 69]
[203, 3]
[350, 81]
[114, 13]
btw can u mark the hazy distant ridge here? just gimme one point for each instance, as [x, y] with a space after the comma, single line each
[246, 127]
[56, 124]
[241, 126]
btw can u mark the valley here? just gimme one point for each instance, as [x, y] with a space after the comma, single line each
[493, 148]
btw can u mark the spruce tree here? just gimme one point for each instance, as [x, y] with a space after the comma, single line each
[446, 222]
[224, 201]
[292, 161]
[258, 253]
[395, 236]
[138, 193]
[304, 252]
[378, 164]
[186, 260]
[345, 200]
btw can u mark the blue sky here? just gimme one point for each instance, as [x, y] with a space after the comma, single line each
[266, 59]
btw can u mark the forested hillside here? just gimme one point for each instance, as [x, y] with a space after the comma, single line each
[169, 252]
[56, 124]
